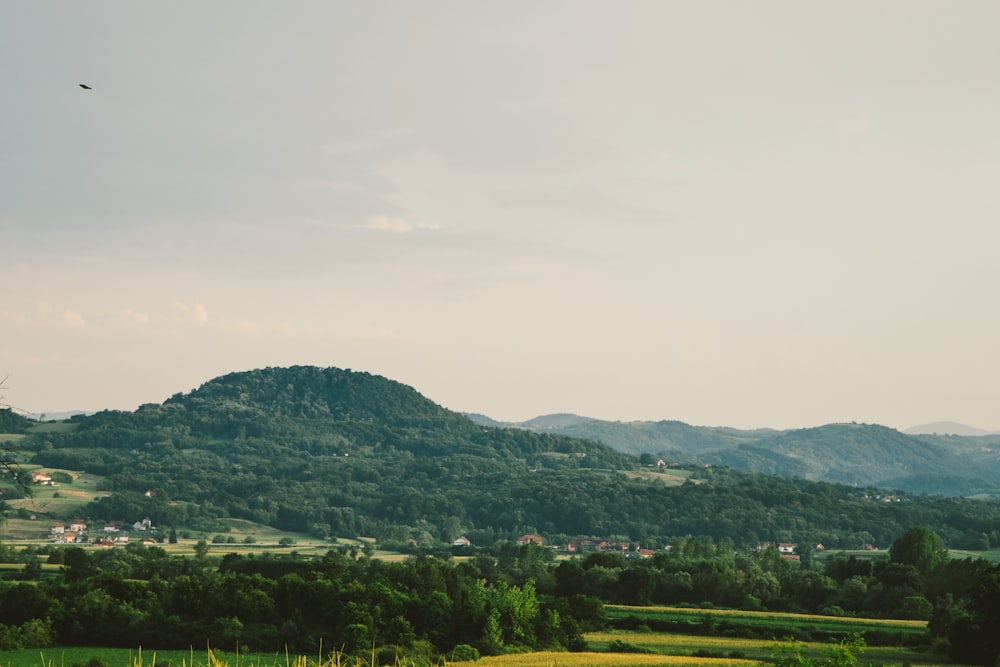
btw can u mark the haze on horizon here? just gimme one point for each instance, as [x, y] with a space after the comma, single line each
[769, 214]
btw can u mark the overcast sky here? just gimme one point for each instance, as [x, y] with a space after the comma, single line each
[776, 214]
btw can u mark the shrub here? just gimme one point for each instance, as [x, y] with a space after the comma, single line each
[463, 653]
[618, 646]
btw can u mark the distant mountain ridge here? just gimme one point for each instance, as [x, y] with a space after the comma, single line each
[948, 428]
[856, 454]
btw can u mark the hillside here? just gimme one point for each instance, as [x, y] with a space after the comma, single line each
[334, 452]
[947, 428]
[854, 454]
[11, 422]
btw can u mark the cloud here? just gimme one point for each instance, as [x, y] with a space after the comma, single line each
[73, 318]
[196, 314]
[18, 319]
[397, 225]
[244, 328]
[133, 317]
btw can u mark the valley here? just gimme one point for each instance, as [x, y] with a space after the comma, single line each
[290, 507]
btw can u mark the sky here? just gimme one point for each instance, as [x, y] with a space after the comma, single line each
[766, 214]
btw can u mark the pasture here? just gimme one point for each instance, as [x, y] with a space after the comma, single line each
[754, 635]
[765, 625]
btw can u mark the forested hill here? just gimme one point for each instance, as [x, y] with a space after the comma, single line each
[11, 422]
[857, 454]
[322, 394]
[336, 452]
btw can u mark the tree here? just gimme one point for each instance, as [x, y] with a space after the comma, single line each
[201, 549]
[974, 638]
[920, 548]
[11, 422]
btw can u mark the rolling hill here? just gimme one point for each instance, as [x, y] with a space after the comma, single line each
[853, 454]
[334, 452]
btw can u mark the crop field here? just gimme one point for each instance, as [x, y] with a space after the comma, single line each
[992, 555]
[552, 659]
[749, 649]
[766, 625]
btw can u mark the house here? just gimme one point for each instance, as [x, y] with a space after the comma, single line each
[112, 526]
[786, 548]
[77, 526]
[530, 539]
[145, 524]
[57, 529]
[40, 478]
[463, 541]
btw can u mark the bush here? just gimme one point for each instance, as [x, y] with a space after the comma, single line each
[618, 646]
[463, 653]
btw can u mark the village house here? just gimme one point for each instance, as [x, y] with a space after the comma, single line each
[530, 539]
[463, 541]
[77, 526]
[145, 524]
[40, 478]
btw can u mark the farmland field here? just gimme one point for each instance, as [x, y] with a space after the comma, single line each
[765, 625]
[750, 649]
[552, 659]
[124, 657]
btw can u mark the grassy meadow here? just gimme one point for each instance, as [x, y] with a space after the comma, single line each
[740, 619]
[615, 648]
[137, 658]
[123, 657]
[594, 659]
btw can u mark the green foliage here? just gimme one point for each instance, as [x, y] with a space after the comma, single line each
[844, 654]
[920, 548]
[336, 453]
[33, 633]
[463, 653]
[11, 422]
[856, 454]
[619, 646]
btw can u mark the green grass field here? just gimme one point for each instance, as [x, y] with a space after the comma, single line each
[669, 476]
[758, 623]
[663, 648]
[123, 657]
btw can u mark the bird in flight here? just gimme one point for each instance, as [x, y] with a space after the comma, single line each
[85, 86]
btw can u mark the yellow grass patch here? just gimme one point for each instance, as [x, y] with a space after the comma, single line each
[551, 659]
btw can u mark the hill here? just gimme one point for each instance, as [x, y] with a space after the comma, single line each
[854, 454]
[13, 423]
[947, 428]
[334, 452]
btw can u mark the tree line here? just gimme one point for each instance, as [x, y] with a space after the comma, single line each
[502, 599]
